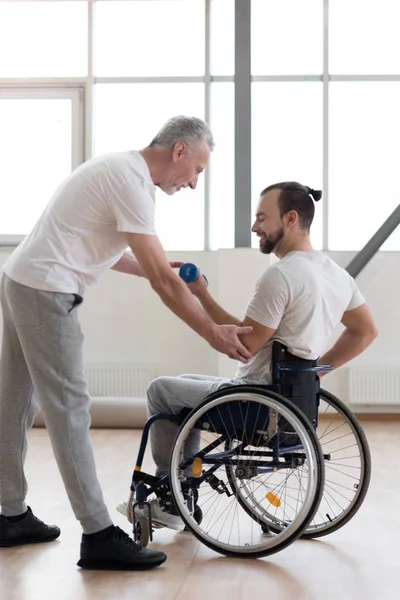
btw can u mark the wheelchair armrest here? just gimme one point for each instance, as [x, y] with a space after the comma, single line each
[316, 369]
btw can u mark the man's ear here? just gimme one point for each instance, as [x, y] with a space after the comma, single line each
[292, 217]
[178, 150]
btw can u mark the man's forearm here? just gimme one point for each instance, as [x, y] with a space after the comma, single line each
[215, 311]
[348, 346]
[176, 296]
[127, 264]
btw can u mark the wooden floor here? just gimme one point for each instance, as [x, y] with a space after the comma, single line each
[360, 561]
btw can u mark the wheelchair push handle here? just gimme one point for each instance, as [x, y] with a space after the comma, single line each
[190, 272]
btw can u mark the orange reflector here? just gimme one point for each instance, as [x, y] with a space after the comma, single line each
[272, 499]
[197, 467]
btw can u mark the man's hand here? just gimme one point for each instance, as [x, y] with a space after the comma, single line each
[176, 296]
[176, 264]
[226, 340]
[198, 287]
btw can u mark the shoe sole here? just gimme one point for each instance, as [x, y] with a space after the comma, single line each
[122, 510]
[111, 566]
[25, 541]
[160, 525]
[156, 524]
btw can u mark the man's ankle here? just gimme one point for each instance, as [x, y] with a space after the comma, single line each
[99, 536]
[16, 518]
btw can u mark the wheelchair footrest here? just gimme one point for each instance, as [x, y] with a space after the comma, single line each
[217, 484]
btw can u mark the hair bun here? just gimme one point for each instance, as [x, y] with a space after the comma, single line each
[316, 194]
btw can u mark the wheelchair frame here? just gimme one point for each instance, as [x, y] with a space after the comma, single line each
[143, 484]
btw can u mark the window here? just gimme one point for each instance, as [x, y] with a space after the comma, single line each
[127, 116]
[39, 145]
[43, 39]
[222, 37]
[364, 37]
[149, 39]
[287, 140]
[222, 167]
[364, 133]
[286, 37]
[325, 81]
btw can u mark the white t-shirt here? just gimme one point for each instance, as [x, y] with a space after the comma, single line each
[303, 297]
[81, 233]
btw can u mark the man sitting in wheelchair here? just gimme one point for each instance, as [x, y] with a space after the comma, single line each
[298, 301]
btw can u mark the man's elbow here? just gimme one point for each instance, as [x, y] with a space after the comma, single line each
[369, 335]
[374, 333]
[163, 283]
[252, 345]
[158, 283]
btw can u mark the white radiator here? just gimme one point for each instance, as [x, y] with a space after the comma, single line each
[121, 380]
[369, 385]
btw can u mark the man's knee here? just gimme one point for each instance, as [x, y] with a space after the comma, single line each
[156, 393]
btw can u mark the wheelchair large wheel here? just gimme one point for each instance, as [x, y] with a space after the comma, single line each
[248, 420]
[347, 466]
[347, 471]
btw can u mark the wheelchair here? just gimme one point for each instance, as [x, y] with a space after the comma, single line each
[273, 463]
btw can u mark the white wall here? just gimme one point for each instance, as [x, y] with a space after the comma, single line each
[125, 322]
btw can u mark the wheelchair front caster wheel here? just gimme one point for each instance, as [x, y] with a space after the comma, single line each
[141, 531]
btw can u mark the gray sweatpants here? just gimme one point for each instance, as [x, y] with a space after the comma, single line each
[42, 354]
[170, 395]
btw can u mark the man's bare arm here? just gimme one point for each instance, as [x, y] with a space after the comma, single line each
[218, 314]
[129, 265]
[360, 332]
[254, 340]
[175, 294]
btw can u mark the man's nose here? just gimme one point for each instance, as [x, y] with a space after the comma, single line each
[193, 183]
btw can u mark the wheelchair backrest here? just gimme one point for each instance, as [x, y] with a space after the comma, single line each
[294, 381]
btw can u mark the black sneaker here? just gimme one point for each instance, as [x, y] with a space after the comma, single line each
[27, 530]
[118, 552]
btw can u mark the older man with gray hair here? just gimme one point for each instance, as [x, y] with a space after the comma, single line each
[106, 205]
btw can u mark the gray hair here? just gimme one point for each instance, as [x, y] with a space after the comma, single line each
[190, 130]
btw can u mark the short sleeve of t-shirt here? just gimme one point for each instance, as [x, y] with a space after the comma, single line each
[133, 206]
[270, 298]
[357, 298]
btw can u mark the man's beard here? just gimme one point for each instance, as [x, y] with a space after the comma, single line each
[267, 245]
[169, 188]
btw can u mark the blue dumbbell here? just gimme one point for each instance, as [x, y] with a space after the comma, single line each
[189, 272]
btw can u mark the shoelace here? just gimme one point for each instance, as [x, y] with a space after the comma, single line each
[123, 537]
